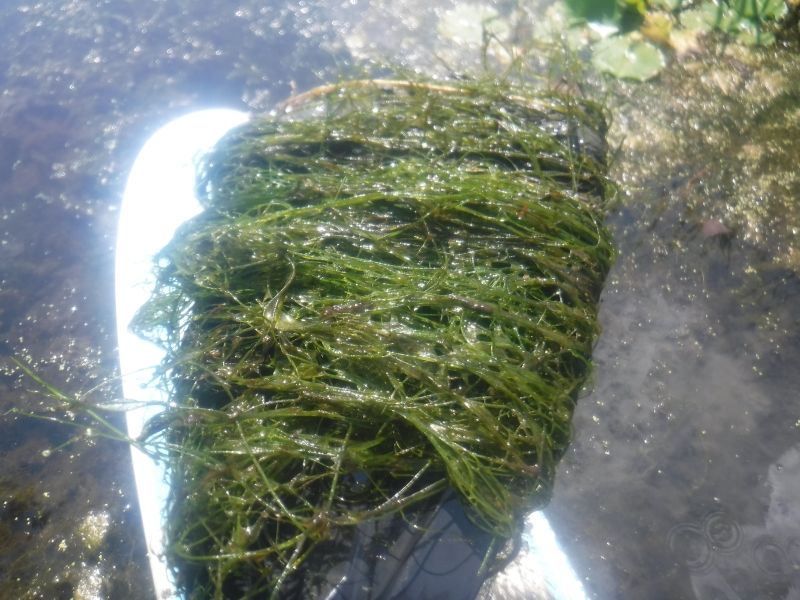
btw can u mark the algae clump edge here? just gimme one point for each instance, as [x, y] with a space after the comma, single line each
[391, 295]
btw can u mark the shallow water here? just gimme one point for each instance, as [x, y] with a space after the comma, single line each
[682, 481]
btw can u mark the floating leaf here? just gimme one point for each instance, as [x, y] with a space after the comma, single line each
[594, 10]
[639, 6]
[735, 19]
[628, 58]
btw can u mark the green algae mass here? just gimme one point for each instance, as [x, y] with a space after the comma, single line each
[392, 292]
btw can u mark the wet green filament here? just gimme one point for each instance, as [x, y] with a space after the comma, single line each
[388, 295]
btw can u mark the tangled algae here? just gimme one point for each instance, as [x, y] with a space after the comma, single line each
[392, 292]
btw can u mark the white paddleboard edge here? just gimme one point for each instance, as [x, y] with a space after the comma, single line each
[159, 196]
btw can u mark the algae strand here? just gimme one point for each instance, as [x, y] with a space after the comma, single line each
[392, 291]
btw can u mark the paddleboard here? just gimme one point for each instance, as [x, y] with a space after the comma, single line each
[159, 196]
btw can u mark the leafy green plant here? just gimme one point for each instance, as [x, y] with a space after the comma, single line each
[628, 58]
[750, 21]
[636, 28]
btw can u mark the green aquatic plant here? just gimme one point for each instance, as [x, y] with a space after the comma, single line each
[391, 295]
[634, 32]
[628, 58]
[629, 14]
[752, 22]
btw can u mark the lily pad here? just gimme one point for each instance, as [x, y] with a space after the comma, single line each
[628, 58]
[748, 30]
